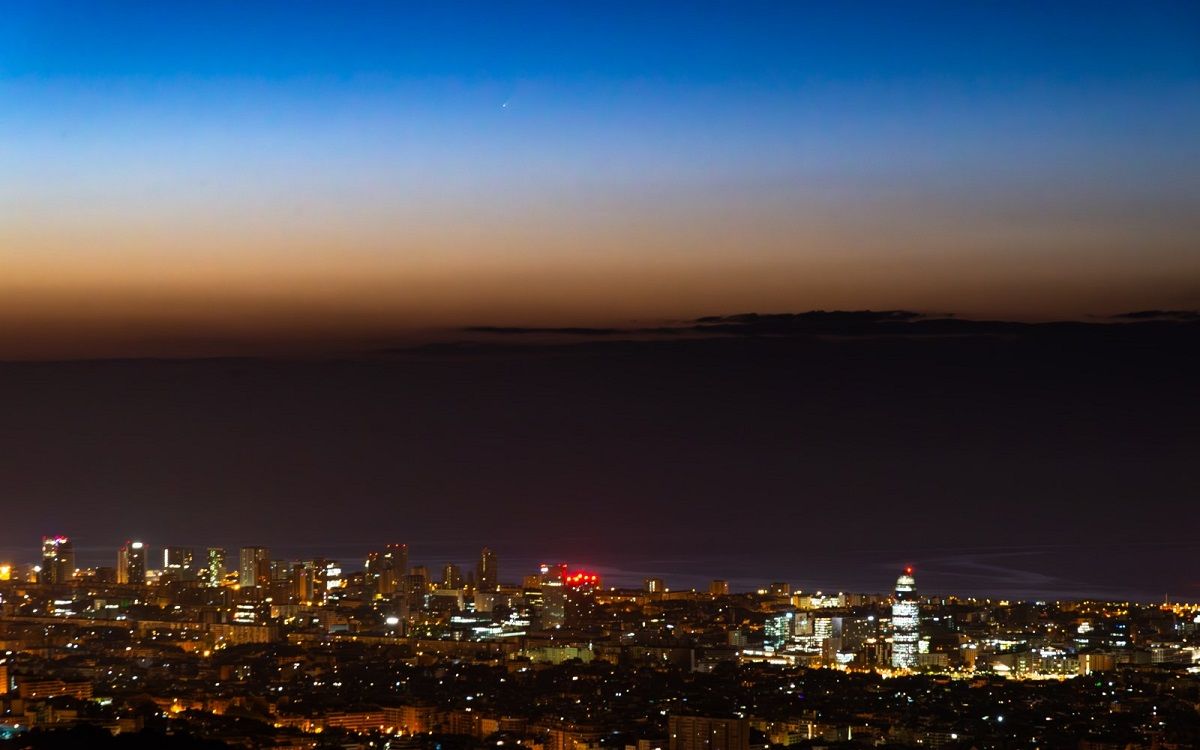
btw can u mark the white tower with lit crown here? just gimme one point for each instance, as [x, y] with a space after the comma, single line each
[906, 619]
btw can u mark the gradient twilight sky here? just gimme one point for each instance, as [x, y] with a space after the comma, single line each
[201, 177]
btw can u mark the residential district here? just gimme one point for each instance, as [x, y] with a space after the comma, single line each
[191, 646]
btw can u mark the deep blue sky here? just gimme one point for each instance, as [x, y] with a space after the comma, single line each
[769, 44]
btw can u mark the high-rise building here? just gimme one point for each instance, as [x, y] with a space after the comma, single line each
[703, 733]
[777, 630]
[486, 573]
[581, 587]
[131, 563]
[214, 566]
[178, 563]
[396, 557]
[906, 619]
[373, 571]
[281, 571]
[415, 587]
[58, 559]
[315, 581]
[654, 585]
[552, 610]
[451, 577]
[385, 570]
[254, 567]
[718, 588]
[304, 581]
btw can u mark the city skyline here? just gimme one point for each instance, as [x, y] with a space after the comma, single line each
[233, 558]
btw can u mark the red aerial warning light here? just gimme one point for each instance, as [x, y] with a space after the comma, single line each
[581, 578]
[908, 570]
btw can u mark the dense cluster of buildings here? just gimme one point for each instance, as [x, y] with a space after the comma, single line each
[262, 652]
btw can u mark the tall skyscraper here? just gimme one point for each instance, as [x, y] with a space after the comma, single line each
[214, 566]
[58, 559]
[254, 567]
[396, 564]
[486, 574]
[178, 563]
[385, 570]
[131, 563]
[906, 618]
[581, 587]
[451, 577]
[552, 612]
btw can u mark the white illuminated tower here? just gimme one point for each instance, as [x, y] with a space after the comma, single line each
[906, 631]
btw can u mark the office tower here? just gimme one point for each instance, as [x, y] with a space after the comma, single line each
[451, 577]
[718, 588]
[486, 573]
[281, 571]
[214, 566]
[581, 587]
[303, 588]
[386, 569]
[254, 567]
[131, 563]
[552, 612]
[857, 631]
[779, 588]
[654, 586]
[415, 585]
[396, 567]
[702, 733]
[373, 572]
[312, 580]
[58, 559]
[398, 554]
[177, 563]
[777, 630]
[906, 631]
[332, 579]
[828, 631]
[415, 588]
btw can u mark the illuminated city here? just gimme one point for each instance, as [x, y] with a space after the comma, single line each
[577, 375]
[317, 653]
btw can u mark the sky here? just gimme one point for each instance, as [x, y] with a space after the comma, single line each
[207, 178]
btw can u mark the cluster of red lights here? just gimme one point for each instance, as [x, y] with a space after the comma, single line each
[581, 578]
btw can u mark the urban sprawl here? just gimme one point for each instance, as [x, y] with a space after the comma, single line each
[243, 650]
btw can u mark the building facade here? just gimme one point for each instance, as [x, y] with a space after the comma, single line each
[906, 622]
[254, 567]
[131, 563]
[58, 559]
[703, 733]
